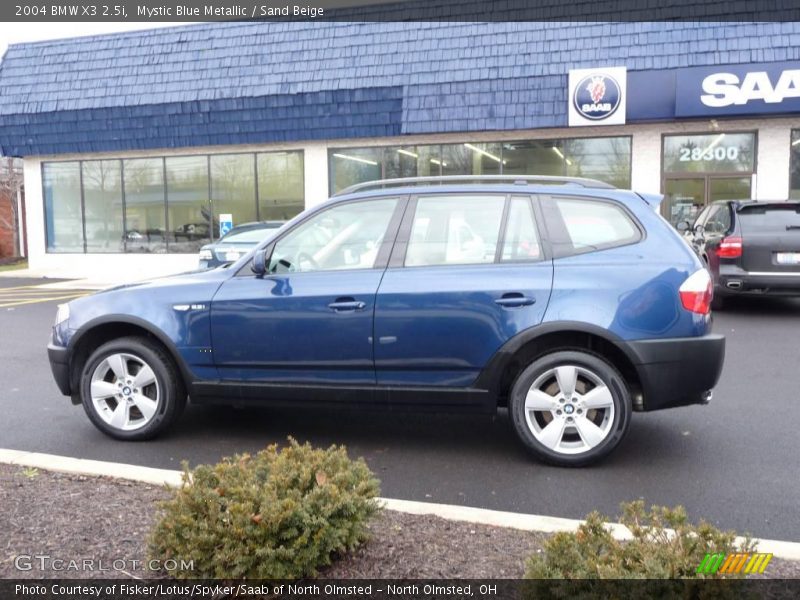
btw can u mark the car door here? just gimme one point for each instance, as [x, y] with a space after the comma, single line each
[309, 319]
[468, 272]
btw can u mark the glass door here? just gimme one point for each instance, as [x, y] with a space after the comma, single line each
[728, 188]
[684, 198]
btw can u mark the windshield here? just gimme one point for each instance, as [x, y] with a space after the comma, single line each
[250, 235]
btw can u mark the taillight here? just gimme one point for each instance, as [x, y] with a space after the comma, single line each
[696, 292]
[730, 247]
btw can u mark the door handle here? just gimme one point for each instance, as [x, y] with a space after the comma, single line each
[514, 300]
[346, 305]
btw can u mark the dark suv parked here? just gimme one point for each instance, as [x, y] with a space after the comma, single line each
[568, 301]
[750, 248]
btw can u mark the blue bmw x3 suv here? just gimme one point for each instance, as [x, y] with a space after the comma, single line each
[565, 300]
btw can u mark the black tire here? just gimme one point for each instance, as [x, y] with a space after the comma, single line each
[610, 377]
[171, 399]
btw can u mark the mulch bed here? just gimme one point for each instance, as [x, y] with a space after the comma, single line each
[74, 517]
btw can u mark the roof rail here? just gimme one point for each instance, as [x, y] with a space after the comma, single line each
[515, 179]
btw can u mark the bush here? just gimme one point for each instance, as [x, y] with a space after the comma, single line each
[653, 553]
[278, 514]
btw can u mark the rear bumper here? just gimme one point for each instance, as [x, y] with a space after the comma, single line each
[679, 371]
[734, 281]
[59, 365]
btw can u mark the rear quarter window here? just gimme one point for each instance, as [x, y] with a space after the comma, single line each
[579, 225]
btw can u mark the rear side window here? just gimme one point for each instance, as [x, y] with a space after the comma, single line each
[579, 225]
[455, 230]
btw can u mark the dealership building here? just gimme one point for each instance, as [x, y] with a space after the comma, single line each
[138, 147]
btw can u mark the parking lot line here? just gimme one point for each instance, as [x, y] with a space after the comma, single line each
[18, 301]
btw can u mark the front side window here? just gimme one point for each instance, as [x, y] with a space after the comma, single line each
[583, 225]
[455, 230]
[342, 237]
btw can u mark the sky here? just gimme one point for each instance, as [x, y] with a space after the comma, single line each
[13, 33]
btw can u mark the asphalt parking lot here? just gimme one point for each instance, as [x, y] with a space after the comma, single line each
[733, 462]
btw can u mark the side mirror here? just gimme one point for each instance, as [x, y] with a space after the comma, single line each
[259, 266]
[683, 226]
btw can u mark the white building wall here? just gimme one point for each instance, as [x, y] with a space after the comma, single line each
[772, 181]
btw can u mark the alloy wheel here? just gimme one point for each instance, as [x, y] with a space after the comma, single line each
[125, 391]
[569, 409]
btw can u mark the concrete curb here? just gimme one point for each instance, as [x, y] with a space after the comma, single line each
[524, 522]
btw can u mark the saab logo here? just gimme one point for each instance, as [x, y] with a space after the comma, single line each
[725, 89]
[729, 564]
[597, 96]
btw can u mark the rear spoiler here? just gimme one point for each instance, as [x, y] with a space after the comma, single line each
[762, 206]
[653, 200]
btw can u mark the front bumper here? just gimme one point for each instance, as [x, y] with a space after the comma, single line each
[679, 371]
[59, 365]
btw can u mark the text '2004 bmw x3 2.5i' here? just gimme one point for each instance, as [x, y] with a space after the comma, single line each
[568, 301]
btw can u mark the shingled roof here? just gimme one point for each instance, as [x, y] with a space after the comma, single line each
[256, 82]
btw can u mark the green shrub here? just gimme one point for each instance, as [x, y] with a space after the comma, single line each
[653, 553]
[278, 514]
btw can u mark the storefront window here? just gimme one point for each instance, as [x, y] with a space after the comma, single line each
[281, 193]
[544, 157]
[188, 205]
[472, 159]
[350, 166]
[715, 152]
[794, 167]
[607, 159]
[62, 200]
[145, 215]
[170, 204]
[233, 188]
[102, 203]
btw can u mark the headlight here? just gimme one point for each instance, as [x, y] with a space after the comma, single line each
[206, 254]
[62, 315]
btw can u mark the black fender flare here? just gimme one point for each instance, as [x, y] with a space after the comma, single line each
[491, 376]
[157, 333]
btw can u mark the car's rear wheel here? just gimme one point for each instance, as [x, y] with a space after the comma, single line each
[570, 407]
[131, 389]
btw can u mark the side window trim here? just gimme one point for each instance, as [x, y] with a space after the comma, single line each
[501, 238]
[541, 227]
[553, 214]
[538, 224]
[387, 245]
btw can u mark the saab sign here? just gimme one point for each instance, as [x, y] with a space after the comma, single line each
[597, 96]
[753, 89]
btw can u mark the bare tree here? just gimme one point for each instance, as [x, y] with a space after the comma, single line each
[11, 180]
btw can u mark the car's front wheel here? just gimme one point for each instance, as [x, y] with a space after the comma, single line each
[570, 408]
[131, 389]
